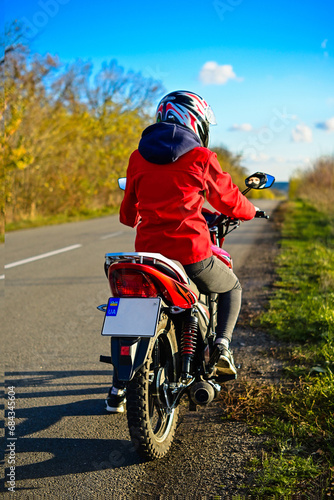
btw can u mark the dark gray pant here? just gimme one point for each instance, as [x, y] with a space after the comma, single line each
[212, 275]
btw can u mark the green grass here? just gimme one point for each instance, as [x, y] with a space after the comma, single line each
[297, 415]
[300, 413]
[71, 216]
[303, 306]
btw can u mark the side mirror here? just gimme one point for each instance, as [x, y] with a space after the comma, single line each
[260, 180]
[122, 182]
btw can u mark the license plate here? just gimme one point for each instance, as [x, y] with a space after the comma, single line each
[131, 317]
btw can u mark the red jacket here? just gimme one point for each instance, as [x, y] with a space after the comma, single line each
[166, 200]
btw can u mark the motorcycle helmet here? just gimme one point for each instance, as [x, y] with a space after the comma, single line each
[187, 109]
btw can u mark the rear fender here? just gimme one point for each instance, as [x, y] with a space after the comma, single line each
[128, 355]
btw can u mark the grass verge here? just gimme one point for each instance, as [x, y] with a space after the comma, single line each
[297, 415]
[72, 216]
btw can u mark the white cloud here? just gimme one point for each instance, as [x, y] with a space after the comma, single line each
[243, 127]
[213, 74]
[277, 160]
[302, 133]
[328, 125]
[264, 158]
[324, 43]
[258, 158]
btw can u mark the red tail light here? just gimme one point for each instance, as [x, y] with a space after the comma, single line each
[131, 283]
[130, 279]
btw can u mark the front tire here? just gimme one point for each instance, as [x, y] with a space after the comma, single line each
[152, 426]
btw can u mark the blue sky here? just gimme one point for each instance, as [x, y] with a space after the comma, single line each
[266, 68]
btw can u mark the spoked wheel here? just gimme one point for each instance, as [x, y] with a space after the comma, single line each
[151, 421]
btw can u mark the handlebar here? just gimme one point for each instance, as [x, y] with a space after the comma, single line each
[260, 214]
[220, 225]
[216, 220]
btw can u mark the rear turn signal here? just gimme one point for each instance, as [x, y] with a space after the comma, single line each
[125, 350]
[131, 283]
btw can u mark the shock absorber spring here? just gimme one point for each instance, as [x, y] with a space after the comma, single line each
[188, 343]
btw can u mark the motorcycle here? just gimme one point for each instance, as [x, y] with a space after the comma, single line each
[162, 331]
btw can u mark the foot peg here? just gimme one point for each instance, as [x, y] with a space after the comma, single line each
[105, 359]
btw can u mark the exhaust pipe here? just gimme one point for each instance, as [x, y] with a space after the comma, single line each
[204, 392]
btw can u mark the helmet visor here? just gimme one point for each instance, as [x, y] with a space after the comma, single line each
[210, 116]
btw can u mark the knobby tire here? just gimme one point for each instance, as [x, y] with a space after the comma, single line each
[152, 430]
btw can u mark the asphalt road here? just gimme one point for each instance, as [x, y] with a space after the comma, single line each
[66, 445]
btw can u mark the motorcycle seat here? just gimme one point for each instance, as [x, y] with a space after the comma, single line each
[170, 272]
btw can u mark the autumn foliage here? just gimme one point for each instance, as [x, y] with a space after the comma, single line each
[67, 133]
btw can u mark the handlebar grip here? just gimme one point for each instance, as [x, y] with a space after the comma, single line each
[260, 214]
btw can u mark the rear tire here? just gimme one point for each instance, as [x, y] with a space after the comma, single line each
[151, 426]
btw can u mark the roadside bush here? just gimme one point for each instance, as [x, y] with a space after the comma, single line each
[316, 185]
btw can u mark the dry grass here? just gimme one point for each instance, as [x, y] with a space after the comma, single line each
[317, 184]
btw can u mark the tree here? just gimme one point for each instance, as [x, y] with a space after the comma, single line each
[67, 137]
[231, 163]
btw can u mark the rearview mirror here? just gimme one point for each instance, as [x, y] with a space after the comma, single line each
[122, 182]
[260, 180]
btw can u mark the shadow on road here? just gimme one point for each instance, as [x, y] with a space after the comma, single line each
[38, 419]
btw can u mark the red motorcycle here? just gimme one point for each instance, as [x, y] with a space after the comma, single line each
[162, 332]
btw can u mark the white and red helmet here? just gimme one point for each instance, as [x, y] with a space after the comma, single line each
[187, 109]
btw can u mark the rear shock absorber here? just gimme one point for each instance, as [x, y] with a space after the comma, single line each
[188, 344]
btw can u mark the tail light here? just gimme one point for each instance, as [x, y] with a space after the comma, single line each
[131, 283]
[130, 279]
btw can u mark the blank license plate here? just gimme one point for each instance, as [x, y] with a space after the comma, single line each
[131, 317]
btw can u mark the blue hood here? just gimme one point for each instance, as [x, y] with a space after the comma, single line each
[165, 142]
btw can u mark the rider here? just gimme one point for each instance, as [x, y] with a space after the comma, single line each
[168, 178]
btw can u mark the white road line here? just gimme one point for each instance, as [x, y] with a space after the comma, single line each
[111, 235]
[2, 277]
[42, 256]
